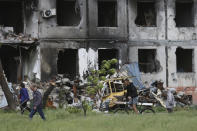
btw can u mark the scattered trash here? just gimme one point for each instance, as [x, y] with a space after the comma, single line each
[7, 35]
[62, 92]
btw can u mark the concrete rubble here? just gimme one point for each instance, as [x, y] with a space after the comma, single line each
[7, 35]
[71, 93]
[158, 95]
[155, 95]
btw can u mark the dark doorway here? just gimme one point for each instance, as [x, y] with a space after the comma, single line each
[68, 13]
[146, 14]
[107, 54]
[184, 14]
[11, 15]
[67, 62]
[184, 59]
[107, 13]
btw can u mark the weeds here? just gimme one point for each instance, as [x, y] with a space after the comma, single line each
[62, 120]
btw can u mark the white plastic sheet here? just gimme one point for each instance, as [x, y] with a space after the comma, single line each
[3, 101]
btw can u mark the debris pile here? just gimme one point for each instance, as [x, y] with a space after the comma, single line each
[7, 35]
[114, 94]
[62, 92]
[70, 92]
[157, 94]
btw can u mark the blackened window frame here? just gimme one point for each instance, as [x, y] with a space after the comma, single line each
[140, 3]
[62, 61]
[22, 27]
[60, 13]
[179, 61]
[114, 51]
[144, 64]
[115, 2]
[192, 12]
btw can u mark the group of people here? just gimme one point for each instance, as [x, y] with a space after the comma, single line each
[36, 101]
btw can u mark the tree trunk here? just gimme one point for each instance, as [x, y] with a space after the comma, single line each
[6, 90]
[46, 94]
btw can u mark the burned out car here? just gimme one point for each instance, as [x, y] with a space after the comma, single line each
[112, 92]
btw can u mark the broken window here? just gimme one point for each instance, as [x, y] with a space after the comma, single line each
[11, 62]
[107, 54]
[147, 60]
[184, 13]
[107, 13]
[11, 15]
[146, 14]
[68, 13]
[67, 62]
[184, 60]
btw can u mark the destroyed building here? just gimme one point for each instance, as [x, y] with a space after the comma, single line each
[70, 36]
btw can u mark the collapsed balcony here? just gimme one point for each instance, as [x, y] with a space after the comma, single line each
[13, 58]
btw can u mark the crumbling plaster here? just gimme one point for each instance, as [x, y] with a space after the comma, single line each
[32, 64]
[50, 29]
[180, 33]
[119, 32]
[87, 54]
[31, 19]
[181, 79]
[50, 49]
[156, 33]
[148, 78]
[31, 23]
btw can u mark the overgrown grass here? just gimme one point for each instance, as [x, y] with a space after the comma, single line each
[61, 120]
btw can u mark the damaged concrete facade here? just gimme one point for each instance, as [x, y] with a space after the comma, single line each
[18, 36]
[88, 37]
[77, 36]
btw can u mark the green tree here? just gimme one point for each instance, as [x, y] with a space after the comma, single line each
[96, 77]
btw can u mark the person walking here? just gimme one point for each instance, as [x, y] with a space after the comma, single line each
[131, 95]
[170, 100]
[37, 103]
[24, 98]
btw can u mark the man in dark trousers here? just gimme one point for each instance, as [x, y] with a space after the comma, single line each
[24, 98]
[131, 95]
[37, 103]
